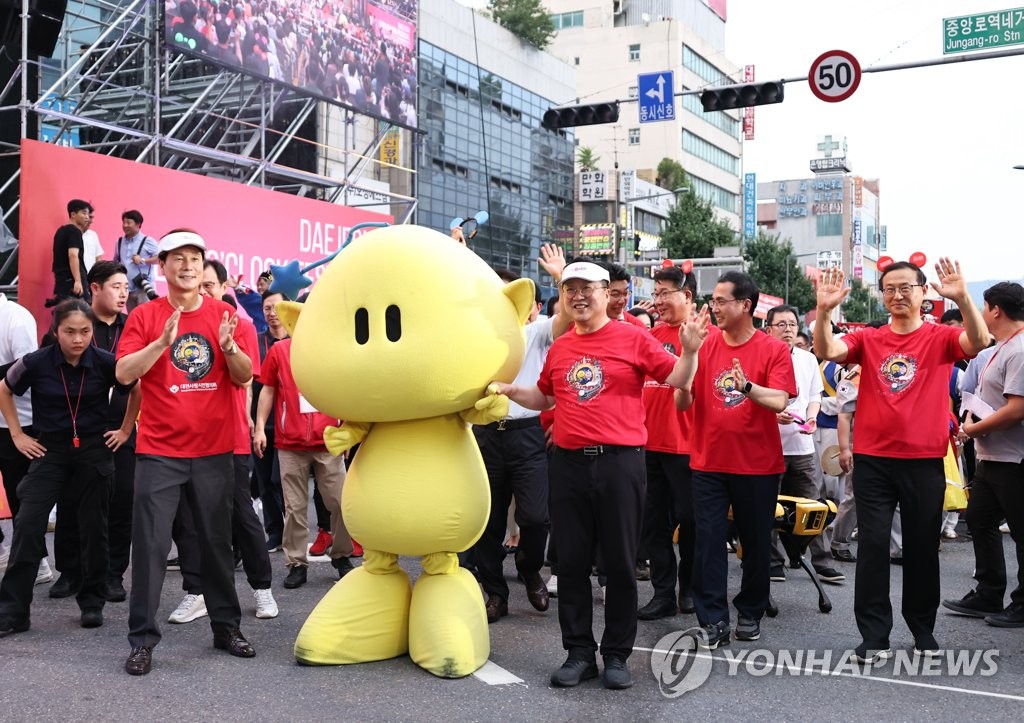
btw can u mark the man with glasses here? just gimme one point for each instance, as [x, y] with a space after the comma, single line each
[596, 375]
[744, 379]
[797, 425]
[669, 499]
[899, 441]
[618, 296]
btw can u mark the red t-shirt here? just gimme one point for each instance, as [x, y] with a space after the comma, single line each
[597, 382]
[245, 337]
[295, 429]
[188, 398]
[734, 434]
[668, 429]
[635, 321]
[903, 405]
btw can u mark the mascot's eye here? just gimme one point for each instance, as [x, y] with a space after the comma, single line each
[362, 326]
[393, 322]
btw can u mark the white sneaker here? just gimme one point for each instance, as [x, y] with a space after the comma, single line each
[266, 607]
[553, 586]
[45, 574]
[191, 607]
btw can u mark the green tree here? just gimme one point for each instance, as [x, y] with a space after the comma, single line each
[770, 264]
[691, 230]
[586, 159]
[671, 174]
[527, 19]
[861, 305]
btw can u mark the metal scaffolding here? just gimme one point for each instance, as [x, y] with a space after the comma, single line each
[114, 88]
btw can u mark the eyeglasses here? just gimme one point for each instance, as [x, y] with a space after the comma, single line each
[663, 294]
[716, 303]
[783, 325]
[585, 291]
[904, 289]
[617, 294]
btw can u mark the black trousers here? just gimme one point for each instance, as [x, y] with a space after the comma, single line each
[85, 475]
[66, 548]
[517, 466]
[268, 479]
[997, 493]
[917, 486]
[246, 536]
[323, 515]
[207, 483]
[753, 499]
[13, 466]
[597, 501]
[669, 502]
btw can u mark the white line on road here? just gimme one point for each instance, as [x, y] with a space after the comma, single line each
[892, 681]
[496, 675]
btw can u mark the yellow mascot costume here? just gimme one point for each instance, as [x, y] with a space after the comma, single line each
[400, 337]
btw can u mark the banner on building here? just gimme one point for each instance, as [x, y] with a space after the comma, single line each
[749, 206]
[748, 112]
[597, 239]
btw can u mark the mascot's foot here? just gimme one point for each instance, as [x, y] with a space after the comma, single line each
[448, 625]
[364, 617]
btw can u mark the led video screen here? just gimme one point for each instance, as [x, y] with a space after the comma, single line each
[360, 54]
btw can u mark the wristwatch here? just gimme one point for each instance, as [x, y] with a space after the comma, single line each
[234, 350]
[747, 387]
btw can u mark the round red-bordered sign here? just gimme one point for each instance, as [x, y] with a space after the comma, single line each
[834, 76]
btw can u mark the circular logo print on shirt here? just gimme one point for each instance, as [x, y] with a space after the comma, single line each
[898, 371]
[727, 389]
[192, 354]
[586, 378]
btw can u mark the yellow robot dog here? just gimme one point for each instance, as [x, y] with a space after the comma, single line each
[400, 337]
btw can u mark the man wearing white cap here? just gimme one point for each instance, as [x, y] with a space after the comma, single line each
[596, 374]
[182, 348]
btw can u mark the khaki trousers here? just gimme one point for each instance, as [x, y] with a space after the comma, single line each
[329, 474]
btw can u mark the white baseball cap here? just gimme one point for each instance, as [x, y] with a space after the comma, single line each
[584, 270]
[177, 239]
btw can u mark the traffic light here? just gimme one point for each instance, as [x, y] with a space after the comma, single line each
[742, 95]
[580, 115]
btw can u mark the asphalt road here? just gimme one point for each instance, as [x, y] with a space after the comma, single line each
[59, 671]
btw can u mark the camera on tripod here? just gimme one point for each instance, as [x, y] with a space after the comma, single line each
[143, 282]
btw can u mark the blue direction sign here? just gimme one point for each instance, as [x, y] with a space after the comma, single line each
[656, 93]
[749, 206]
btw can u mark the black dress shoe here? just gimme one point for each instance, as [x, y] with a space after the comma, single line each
[496, 607]
[536, 590]
[657, 609]
[10, 624]
[66, 586]
[574, 672]
[616, 675]
[686, 604]
[844, 556]
[92, 618]
[140, 662]
[343, 565]
[116, 591]
[296, 577]
[234, 642]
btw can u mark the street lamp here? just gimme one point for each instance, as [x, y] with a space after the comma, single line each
[795, 256]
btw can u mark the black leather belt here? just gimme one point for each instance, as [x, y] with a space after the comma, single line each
[599, 449]
[504, 425]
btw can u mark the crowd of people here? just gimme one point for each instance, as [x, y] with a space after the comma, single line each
[637, 442]
[358, 52]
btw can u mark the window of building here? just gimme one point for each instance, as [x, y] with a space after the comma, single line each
[707, 72]
[577, 59]
[697, 146]
[830, 224]
[561, 21]
[633, 91]
[719, 119]
[720, 197]
[595, 213]
[634, 136]
[634, 52]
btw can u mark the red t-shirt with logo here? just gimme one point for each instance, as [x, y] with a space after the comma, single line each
[189, 407]
[245, 337]
[903, 405]
[295, 428]
[597, 381]
[735, 435]
[668, 429]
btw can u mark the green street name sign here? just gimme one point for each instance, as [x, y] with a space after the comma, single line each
[983, 31]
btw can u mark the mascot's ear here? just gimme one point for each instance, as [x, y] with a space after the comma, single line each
[520, 292]
[288, 312]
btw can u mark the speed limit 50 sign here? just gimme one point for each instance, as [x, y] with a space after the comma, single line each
[834, 76]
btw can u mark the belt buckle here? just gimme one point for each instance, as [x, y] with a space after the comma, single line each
[501, 425]
[592, 451]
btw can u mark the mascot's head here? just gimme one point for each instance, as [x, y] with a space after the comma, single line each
[405, 324]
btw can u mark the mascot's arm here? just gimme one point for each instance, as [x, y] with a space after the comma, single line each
[490, 408]
[345, 437]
